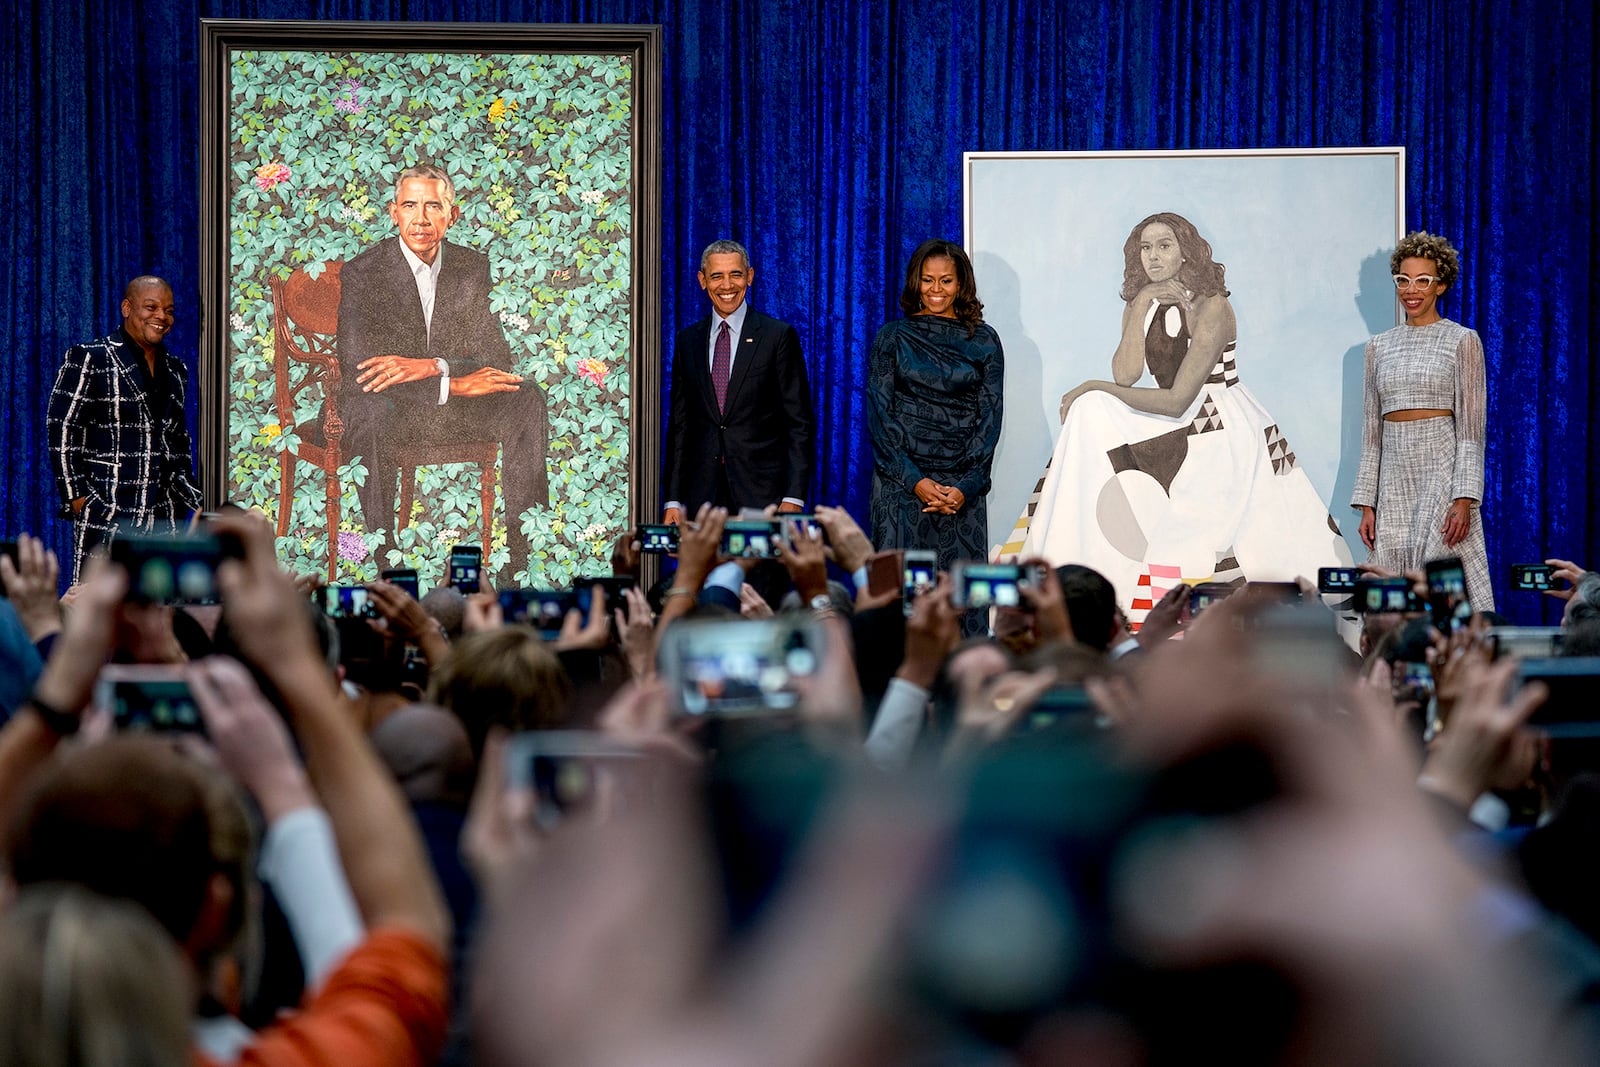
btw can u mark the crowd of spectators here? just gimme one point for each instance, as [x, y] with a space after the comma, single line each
[774, 812]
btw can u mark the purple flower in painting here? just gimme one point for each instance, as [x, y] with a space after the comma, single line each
[352, 549]
[349, 100]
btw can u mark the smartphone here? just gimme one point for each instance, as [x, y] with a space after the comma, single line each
[739, 667]
[543, 609]
[570, 772]
[1336, 579]
[1534, 576]
[884, 571]
[1447, 594]
[919, 573]
[1523, 642]
[466, 566]
[1573, 707]
[613, 584]
[1060, 707]
[989, 585]
[348, 602]
[659, 538]
[404, 578]
[751, 539]
[172, 569]
[1205, 594]
[809, 526]
[1411, 681]
[1380, 596]
[148, 698]
[1278, 592]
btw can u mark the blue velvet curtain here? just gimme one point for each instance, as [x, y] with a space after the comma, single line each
[828, 137]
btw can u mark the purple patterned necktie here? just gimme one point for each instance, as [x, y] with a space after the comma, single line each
[720, 366]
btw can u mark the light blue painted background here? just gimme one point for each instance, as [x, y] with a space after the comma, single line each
[1306, 241]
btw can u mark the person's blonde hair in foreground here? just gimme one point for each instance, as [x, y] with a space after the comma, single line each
[89, 982]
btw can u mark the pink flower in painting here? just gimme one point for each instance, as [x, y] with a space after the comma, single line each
[593, 370]
[270, 174]
[352, 548]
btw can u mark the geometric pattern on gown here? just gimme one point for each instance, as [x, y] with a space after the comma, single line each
[1159, 457]
[1155, 581]
[1208, 419]
[1278, 451]
[1227, 571]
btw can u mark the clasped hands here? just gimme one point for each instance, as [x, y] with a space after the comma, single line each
[381, 372]
[940, 499]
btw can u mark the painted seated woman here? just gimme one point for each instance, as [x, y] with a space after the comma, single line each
[1188, 478]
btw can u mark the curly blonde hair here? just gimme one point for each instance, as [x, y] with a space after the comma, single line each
[1424, 245]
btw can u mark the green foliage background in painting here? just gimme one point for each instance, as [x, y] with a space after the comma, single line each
[539, 147]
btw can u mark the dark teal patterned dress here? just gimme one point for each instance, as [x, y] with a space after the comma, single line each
[933, 408]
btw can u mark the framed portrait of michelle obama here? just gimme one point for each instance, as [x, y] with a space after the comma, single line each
[431, 298]
[1103, 272]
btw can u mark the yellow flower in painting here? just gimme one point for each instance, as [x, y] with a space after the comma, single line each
[592, 370]
[271, 430]
[500, 109]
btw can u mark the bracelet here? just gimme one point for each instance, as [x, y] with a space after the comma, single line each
[61, 723]
[677, 591]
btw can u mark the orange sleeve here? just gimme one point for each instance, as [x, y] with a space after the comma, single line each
[386, 1005]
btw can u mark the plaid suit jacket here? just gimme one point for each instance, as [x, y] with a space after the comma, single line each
[106, 446]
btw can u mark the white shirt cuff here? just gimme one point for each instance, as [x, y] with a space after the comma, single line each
[444, 379]
[899, 722]
[728, 576]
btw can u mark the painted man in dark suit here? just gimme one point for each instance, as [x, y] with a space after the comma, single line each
[739, 428]
[118, 439]
[423, 359]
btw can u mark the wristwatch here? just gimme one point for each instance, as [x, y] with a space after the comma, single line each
[822, 603]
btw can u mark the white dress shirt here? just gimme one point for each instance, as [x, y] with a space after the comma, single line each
[426, 276]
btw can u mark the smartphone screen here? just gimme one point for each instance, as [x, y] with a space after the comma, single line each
[466, 565]
[543, 609]
[988, 585]
[348, 602]
[148, 699]
[404, 578]
[1533, 576]
[1379, 596]
[1447, 595]
[658, 538]
[570, 772]
[750, 539]
[1336, 579]
[1206, 594]
[739, 666]
[919, 574]
[170, 570]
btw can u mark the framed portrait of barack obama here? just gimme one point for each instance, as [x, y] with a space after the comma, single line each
[429, 268]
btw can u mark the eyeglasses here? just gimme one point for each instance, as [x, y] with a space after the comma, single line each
[1421, 281]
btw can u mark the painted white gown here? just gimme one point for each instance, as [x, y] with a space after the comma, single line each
[1214, 494]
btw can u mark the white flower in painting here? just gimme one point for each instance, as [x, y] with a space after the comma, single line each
[236, 321]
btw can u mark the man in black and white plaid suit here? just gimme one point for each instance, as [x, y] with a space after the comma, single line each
[118, 439]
